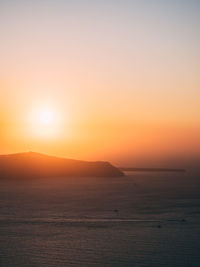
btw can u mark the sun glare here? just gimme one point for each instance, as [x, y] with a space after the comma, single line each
[45, 122]
[46, 117]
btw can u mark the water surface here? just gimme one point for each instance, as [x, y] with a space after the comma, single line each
[142, 219]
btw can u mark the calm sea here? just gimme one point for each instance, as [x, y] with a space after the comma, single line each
[142, 219]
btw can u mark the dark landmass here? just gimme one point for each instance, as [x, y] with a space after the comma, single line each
[152, 169]
[33, 165]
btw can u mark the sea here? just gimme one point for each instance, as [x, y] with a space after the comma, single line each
[141, 219]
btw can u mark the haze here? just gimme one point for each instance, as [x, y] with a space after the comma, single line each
[121, 77]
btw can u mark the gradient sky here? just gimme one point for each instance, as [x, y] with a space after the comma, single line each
[122, 76]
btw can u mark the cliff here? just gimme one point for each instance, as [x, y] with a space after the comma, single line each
[33, 165]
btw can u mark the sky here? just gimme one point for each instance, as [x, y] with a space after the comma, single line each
[121, 79]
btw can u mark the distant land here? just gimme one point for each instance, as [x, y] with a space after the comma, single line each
[34, 165]
[151, 169]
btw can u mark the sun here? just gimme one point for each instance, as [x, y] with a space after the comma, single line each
[46, 117]
[45, 122]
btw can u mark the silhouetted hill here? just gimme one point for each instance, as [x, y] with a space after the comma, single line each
[27, 165]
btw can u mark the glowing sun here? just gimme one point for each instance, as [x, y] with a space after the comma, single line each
[46, 117]
[45, 122]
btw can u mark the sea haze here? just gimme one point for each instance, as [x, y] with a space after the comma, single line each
[141, 219]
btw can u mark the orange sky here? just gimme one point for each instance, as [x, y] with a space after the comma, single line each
[121, 77]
